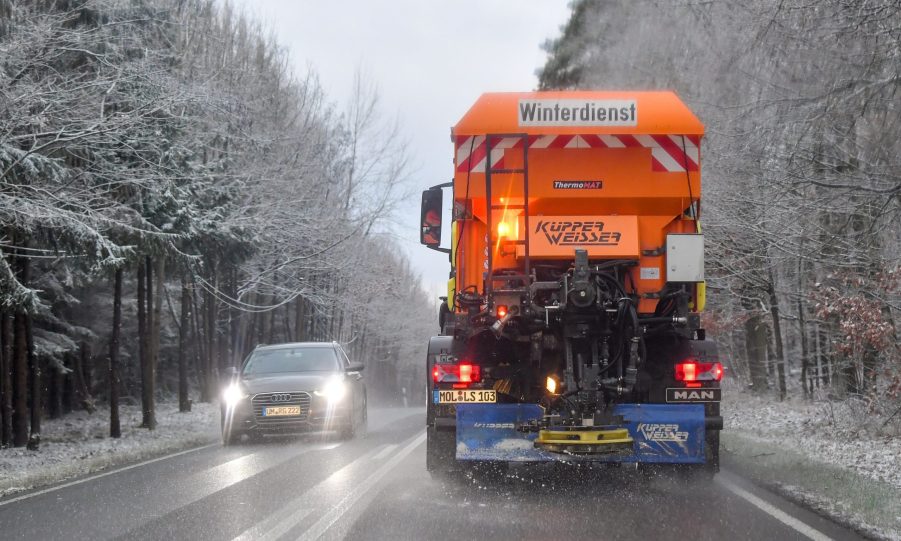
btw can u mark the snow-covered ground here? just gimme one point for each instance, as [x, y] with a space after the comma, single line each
[78, 443]
[830, 455]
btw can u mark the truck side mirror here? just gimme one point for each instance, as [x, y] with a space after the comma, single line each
[430, 231]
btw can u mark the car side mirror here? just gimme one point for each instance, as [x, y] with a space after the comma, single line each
[355, 367]
[430, 230]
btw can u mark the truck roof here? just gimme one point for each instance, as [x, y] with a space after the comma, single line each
[579, 112]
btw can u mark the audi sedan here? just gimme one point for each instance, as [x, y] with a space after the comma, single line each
[295, 388]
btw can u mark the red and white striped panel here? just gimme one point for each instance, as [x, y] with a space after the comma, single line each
[669, 153]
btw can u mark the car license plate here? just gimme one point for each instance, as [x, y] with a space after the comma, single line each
[278, 411]
[488, 396]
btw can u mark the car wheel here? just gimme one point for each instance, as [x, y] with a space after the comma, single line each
[231, 437]
[363, 429]
[349, 431]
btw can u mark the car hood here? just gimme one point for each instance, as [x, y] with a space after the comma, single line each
[270, 383]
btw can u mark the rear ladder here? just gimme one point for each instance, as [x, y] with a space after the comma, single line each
[490, 278]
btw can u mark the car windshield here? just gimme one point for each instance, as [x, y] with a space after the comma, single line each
[299, 359]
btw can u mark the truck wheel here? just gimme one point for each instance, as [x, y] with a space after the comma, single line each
[441, 453]
[703, 473]
[712, 451]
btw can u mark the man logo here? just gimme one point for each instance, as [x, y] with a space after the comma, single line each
[693, 395]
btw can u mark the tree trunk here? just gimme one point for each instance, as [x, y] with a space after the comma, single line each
[299, 319]
[70, 395]
[37, 409]
[87, 394]
[87, 366]
[212, 373]
[148, 417]
[6, 388]
[142, 338]
[55, 393]
[20, 385]
[199, 345]
[805, 351]
[159, 271]
[265, 328]
[802, 329]
[777, 336]
[115, 430]
[270, 338]
[81, 389]
[286, 324]
[184, 402]
[755, 340]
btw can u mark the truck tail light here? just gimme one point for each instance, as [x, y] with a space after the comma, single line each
[501, 311]
[464, 372]
[692, 370]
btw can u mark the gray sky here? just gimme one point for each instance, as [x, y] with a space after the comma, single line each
[430, 60]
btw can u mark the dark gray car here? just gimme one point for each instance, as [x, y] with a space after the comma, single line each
[295, 388]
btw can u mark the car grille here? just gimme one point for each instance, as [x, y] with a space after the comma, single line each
[262, 400]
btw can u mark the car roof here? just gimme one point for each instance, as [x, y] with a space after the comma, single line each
[298, 344]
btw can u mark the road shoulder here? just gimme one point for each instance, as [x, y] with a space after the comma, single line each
[78, 445]
[868, 506]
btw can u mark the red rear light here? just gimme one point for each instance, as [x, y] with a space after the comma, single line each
[501, 311]
[687, 372]
[464, 372]
[697, 371]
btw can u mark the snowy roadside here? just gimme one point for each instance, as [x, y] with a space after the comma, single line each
[825, 455]
[78, 444]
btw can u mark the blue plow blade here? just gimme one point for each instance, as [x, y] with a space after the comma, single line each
[663, 434]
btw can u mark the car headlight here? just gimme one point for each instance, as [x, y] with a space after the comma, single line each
[334, 390]
[233, 394]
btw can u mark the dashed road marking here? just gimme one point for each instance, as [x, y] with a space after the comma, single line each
[230, 473]
[292, 513]
[336, 512]
[385, 452]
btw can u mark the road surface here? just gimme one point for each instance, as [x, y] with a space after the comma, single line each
[377, 488]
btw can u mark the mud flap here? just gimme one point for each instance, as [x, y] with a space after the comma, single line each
[663, 434]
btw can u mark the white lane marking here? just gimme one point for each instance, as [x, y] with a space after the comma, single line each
[358, 491]
[290, 518]
[385, 452]
[105, 474]
[235, 471]
[775, 512]
[290, 514]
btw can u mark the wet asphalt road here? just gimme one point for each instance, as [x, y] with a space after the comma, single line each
[377, 488]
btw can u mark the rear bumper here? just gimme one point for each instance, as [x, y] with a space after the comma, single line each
[660, 433]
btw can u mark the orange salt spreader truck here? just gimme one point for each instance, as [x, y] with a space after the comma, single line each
[571, 328]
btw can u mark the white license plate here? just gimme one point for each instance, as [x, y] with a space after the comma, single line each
[280, 411]
[459, 396]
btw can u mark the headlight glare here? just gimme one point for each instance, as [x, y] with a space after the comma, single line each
[233, 394]
[334, 390]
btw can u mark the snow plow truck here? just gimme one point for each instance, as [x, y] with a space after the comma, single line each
[571, 329]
